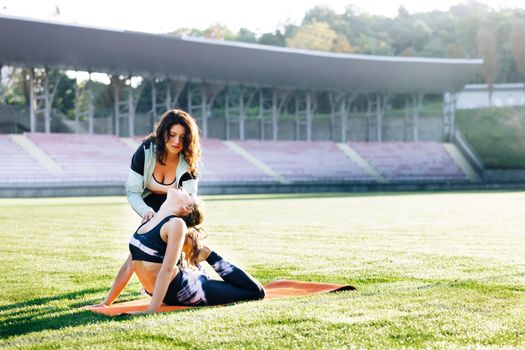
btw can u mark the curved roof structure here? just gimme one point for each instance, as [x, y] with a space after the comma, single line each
[38, 43]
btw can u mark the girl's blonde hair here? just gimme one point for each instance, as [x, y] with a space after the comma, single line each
[194, 238]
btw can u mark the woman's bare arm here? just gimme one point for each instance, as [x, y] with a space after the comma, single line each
[120, 282]
[175, 230]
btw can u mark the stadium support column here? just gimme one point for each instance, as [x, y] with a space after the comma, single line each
[381, 102]
[47, 105]
[126, 99]
[48, 98]
[164, 96]
[39, 86]
[265, 109]
[245, 100]
[449, 114]
[84, 104]
[238, 100]
[131, 110]
[200, 102]
[267, 112]
[276, 110]
[309, 116]
[305, 106]
[91, 105]
[229, 110]
[77, 104]
[32, 101]
[340, 104]
[116, 101]
[271, 104]
[2, 95]
[379, 119]
[153, 111]
[413, 107]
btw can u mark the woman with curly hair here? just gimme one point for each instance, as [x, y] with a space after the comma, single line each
[167, 158]
[174, 235]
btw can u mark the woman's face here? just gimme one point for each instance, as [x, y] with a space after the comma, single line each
[175, 142]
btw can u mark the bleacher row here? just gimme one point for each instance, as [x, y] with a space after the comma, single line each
[106, 158]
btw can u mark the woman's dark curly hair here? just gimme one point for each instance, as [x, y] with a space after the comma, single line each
[191, 143]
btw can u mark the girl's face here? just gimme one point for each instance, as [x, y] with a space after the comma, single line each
[181, 199]
[180, 196]
[175, 141]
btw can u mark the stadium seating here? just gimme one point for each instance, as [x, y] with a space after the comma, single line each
[106, 158]
[302, 161]
[86, 157]
[409, 161]
[18, 166]
[222, 165]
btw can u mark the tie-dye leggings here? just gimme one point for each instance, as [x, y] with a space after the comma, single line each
[188, 288]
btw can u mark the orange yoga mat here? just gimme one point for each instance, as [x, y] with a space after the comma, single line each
[275, 289]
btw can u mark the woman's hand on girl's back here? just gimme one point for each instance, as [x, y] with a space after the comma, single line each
[148, 215]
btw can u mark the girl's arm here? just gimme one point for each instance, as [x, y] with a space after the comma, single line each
[121, 281]
[175, 230]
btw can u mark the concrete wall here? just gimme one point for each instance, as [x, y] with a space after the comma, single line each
[503, 95]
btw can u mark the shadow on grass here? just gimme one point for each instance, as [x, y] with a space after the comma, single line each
[45, 300]
[37, 314]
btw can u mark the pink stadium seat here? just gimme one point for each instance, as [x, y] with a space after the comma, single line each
[87, 157]
[18, 166]
[222, 165]
[410, 160]
[302, 161]
[105, 158]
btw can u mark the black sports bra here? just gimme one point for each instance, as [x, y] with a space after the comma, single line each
[149, 246]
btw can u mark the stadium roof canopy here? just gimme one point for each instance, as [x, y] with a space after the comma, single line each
[37, 43]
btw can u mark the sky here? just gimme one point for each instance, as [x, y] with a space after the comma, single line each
[162, 16]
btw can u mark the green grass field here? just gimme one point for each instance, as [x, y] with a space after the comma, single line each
[434, 270]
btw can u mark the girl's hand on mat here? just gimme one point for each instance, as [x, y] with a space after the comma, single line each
[96, 305]
[148, 216]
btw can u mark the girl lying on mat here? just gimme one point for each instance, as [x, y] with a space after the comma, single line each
[155, 249]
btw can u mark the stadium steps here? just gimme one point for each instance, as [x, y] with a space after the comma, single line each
[410, 161]
[35, 152]
[462, 162]
[306, 162]
[223, 165]
[86, 158]
[363, 164]
[256, 162]
[131, 142]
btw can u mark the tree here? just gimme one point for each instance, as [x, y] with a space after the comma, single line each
[408, 52]
[455, 51]
[341, 44]
[488, 50]
[219, 31]
[315, 36]
[274, 39]
[517, 42]
[246, 36]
